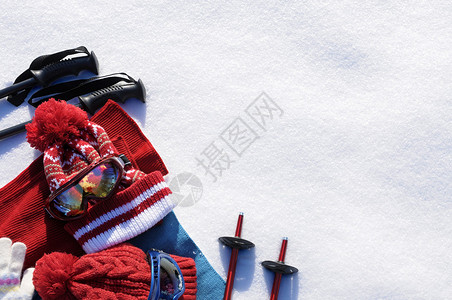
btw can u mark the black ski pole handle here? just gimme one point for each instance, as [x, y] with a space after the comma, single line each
[73, 66]
[51, 72]
[118, 92]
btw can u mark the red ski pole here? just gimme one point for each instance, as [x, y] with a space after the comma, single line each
[279, 268]
[236, 243]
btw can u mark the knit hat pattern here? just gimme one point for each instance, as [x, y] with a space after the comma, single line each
[121, 272]
[70, 142]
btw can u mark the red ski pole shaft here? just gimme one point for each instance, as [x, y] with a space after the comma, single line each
[233, 262]
[231, 274]
[275, 287]
[277, 280]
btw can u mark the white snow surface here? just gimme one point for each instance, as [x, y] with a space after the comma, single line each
[353, 164]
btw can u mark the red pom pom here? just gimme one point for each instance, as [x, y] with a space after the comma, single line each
[51, 275]
[55, 122]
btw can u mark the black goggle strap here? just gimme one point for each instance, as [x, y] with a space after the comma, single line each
[131, 174]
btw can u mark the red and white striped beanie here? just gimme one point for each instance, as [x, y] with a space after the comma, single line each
[70, 143]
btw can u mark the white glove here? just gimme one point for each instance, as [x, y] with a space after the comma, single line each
[11, 261]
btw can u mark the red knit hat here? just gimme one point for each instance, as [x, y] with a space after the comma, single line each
[121, 272]
[70, 143]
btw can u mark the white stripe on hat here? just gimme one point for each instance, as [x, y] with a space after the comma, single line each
[130, 228]
[120, 210]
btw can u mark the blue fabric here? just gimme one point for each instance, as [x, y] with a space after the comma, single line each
[170, 237]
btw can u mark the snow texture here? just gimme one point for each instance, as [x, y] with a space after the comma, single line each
[353, 163]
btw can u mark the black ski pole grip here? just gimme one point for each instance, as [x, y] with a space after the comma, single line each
[118, 92]
[47, 74]
[73, 66]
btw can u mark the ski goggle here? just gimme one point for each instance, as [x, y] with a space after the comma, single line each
[96, 182]
[167, 282]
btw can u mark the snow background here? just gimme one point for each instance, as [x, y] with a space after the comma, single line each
[356, 171]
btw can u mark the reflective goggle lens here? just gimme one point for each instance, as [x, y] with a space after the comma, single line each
[98, 183]
[167, 280]
[170, 283]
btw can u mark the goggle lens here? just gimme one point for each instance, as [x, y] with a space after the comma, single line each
[170, 285]
[98, 183]
[167, 280]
